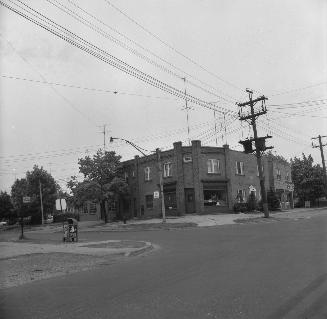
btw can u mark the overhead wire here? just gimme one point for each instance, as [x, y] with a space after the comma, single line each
[125, 46]
[86, 88]
[299, 89]
[103, 55]
[169, 46]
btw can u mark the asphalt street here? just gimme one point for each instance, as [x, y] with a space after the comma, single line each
[251, 270]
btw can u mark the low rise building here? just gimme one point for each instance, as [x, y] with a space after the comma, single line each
[198, 179]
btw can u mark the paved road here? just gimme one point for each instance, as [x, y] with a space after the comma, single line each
[257, 270]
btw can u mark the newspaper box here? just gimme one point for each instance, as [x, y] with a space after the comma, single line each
[71, 230]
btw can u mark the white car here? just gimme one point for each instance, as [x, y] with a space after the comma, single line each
[49, 220]
[3, 223]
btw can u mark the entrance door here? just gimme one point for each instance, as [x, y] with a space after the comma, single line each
[189, 201]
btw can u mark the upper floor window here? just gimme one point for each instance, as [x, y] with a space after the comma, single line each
[126, 176]
[287, 177]
[168, 169]
[147, 174]
[213, 166]
[278, 174]
[262, 169]
[187, 158]
[239, 168]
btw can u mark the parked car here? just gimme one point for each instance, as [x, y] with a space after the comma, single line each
[3, 223]
[49, 220]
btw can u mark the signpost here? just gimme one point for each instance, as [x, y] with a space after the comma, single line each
[26, 200]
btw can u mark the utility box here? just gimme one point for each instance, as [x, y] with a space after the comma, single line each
[70, 229]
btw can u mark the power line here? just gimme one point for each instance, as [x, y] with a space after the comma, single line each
[104, 56]
[133, 51]
[169, 46]
[300, 89]
[53, 89]
[85, 88]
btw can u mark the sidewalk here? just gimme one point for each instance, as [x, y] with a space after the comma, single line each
[193, 220]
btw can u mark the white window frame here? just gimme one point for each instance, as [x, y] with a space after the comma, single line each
[243, 192]
[213, 166]
[168, 169]
[147, 173]
[261, 170]
[187, 158]
[241, 168]
[278, 174]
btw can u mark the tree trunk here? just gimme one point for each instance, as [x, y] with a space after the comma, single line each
[103, 210]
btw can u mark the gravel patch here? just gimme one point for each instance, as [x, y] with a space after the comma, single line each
[28, 268]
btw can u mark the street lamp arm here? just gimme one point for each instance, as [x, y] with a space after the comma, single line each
[128, 142]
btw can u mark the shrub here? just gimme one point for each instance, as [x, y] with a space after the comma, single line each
[240, 207]
[61, 217]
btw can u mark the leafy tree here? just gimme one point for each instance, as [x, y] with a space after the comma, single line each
[102, 180]
[307, 178]
[6, 207]
[30, 186]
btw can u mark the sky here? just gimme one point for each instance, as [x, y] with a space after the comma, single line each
[56, 99]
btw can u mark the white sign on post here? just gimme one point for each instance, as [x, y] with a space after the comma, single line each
[156, 194]
[62, 205]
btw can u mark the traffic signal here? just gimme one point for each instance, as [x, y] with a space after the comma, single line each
[247, 145]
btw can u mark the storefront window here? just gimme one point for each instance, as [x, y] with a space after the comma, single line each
[214, 197]
[170, 200]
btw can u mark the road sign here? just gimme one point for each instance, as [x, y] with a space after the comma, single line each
[156, 194]
[26, 199]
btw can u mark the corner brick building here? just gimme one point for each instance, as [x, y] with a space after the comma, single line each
[200, 179]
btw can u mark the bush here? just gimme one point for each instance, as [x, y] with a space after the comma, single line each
[252, 203]
[61, 217]
[240, 207]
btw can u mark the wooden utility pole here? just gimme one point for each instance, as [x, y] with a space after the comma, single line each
[258, 141]
[322, 156]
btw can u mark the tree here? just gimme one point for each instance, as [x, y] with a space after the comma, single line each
[6, 207]
[30, 186]
[307, 178]
[102, 180]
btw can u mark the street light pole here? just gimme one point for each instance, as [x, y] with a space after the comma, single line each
[163, 209]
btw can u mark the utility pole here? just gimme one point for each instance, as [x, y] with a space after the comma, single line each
[163, 210]
[322, 156]
[40, 185]
[104, 136]
[187, 108]
[259, 142]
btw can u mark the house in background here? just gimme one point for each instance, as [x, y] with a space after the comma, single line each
[199, 179]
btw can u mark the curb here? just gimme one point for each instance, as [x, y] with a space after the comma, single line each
[139, 251]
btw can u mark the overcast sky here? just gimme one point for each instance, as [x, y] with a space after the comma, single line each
[56, 98]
